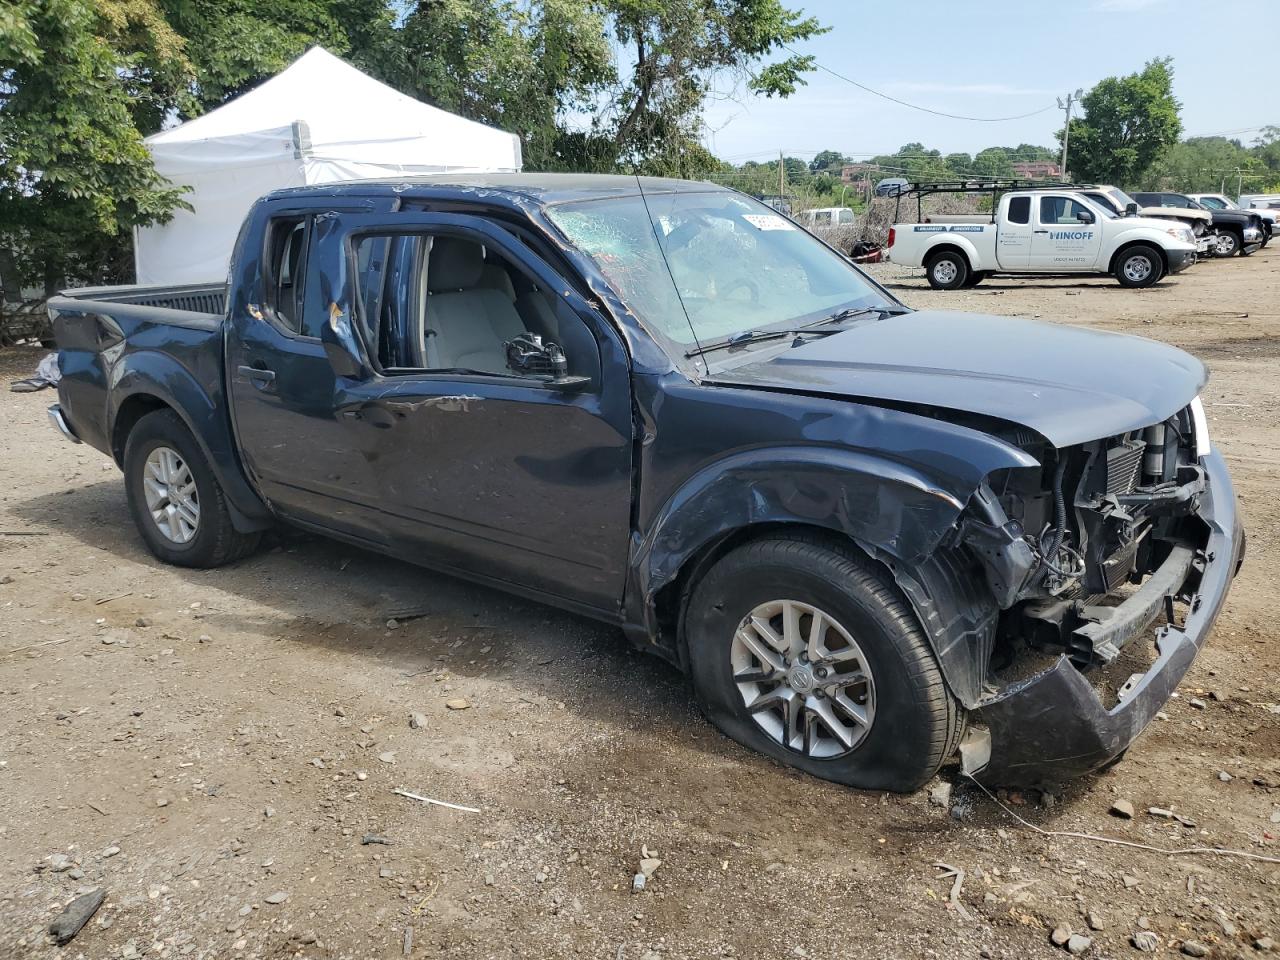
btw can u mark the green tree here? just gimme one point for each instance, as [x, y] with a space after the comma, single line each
[75, 176]
[237, 44]
[826, 160]
[1128, 123]
[1202, 164]
[959, 164]
[993, 162]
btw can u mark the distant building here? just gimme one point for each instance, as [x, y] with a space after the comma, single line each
[1036, 169]
[856, 172]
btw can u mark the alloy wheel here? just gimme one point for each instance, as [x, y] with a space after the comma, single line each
[803, 678]
[172, 498]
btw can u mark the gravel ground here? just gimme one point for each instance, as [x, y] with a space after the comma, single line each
[213, 749]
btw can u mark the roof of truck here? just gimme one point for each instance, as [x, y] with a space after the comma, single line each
[543, 188]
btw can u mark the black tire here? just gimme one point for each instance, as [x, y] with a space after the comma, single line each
[215, 541]
[916, 723]
[953, 268]
[975, 277]
[1231, 248]
[1138, 266]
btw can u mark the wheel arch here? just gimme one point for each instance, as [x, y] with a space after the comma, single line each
[896, 519]
[1140, 242]
[140, 391]
[953, 245]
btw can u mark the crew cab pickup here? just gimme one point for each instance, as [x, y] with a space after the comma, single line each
[871, 536]
[1042, 233]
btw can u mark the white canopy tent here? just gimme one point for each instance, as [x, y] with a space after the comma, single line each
[319, 121]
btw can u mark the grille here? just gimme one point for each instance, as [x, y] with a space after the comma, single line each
[1124, 465]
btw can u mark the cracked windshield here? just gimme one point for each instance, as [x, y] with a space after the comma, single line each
[736, 264]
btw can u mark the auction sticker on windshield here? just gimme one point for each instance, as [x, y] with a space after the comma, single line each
[768, 221]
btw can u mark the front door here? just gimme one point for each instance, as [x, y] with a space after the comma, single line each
[498, 470]
[1066, 237]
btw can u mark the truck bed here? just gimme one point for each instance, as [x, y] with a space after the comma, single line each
[108, 336]
[188, 304]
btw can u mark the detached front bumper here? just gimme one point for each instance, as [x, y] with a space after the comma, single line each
[1053, 726]
[1252, 235]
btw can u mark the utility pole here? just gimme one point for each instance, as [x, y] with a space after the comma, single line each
[1066, 130]
[782, 178]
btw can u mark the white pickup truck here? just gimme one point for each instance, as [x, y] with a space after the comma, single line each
[1043, 233]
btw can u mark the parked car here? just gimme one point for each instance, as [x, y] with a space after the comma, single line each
[663, 405]
[1054, 232]
[819, 217]
[1260, 201]
[891, 187]
[1234, 231]
[835, 226]
[1200, 222]
[1218, 201]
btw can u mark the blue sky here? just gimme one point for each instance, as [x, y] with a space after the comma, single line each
[1001, 58]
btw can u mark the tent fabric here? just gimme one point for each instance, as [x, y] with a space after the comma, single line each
[318, 121]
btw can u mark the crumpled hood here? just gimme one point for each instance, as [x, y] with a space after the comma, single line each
[1066, 383]
[1165, 214]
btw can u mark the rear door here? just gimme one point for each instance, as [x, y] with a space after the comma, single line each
[478, 466]
[282, 385]
[1013, 239]
[1066, 235]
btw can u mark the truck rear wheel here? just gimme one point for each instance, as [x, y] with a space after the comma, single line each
[175, 499]
[948, 270]
[1139, 266]
[801, 649]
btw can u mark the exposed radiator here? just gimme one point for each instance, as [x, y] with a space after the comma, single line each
[1124, 466]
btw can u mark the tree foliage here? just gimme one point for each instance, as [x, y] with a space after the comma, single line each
[587, 84]
[75, 176]
[1128, 123]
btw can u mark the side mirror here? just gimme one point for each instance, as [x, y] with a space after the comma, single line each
[340, 346]
[528, 356]
[1130, 209]
[1085, 216]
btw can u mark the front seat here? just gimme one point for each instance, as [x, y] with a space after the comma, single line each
[467, 324]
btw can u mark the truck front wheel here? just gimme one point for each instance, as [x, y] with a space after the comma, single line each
[1139, 267]
[801, 649]
[174, 496]
[1226, 244]
[947, 270]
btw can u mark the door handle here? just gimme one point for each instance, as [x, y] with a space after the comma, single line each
[260, 378]
[1041, 231]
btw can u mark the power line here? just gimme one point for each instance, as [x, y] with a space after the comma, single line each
[913, 106]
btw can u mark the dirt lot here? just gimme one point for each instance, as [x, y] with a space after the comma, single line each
[211, 748]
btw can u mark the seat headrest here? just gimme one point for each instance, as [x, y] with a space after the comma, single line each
[454, 265]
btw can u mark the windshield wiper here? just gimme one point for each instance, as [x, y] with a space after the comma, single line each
[850, 312]
[756, 336]
[810, 329]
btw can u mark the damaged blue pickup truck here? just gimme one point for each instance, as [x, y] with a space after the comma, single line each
[872, 537]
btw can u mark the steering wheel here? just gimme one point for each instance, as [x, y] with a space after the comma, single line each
[742, 283]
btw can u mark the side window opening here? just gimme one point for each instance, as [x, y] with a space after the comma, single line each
[287, 241]
[1020, 210]
[1060, 211]
[447, 303]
